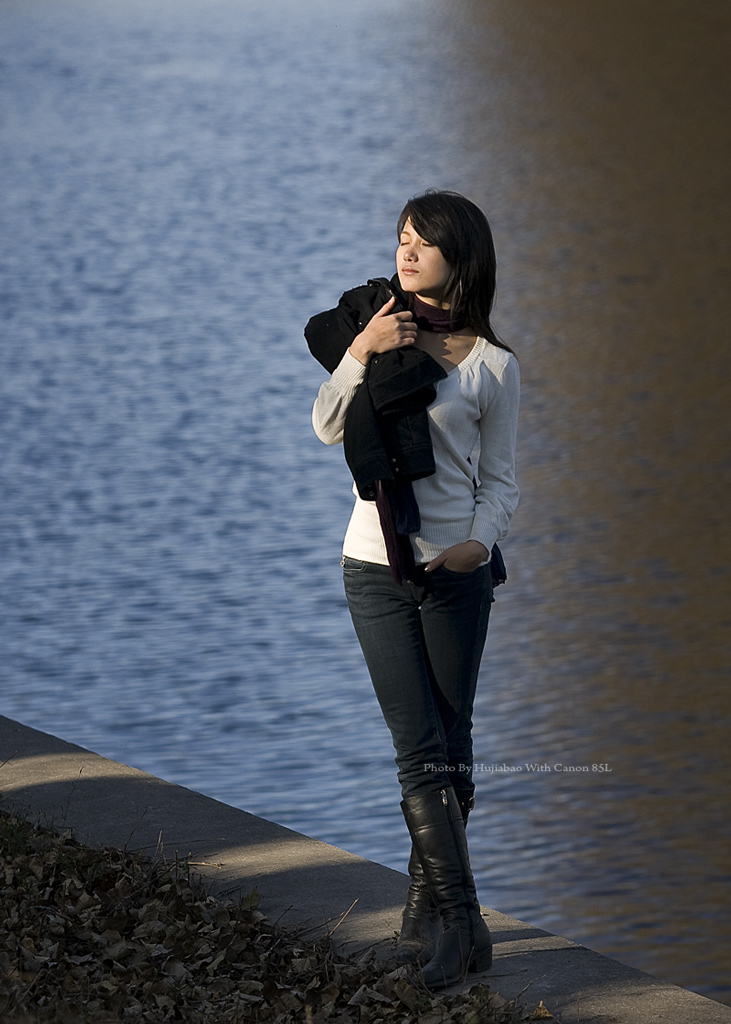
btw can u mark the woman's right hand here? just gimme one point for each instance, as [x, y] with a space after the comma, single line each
[384, 332]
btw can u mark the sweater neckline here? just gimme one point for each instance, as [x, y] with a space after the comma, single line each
[470, 357]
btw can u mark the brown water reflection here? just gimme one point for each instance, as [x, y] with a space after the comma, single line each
[597, 136]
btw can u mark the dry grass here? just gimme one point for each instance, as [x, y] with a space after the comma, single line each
[104, 937]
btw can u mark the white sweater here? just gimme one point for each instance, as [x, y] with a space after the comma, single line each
[475, 411]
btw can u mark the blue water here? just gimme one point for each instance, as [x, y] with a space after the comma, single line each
[182, 192]
[183, 185]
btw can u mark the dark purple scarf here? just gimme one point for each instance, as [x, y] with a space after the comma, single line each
[431, 318]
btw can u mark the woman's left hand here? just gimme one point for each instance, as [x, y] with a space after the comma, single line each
[465, 557]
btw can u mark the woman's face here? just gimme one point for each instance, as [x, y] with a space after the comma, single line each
[421, 267]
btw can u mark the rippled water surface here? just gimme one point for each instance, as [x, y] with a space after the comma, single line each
[183, 186]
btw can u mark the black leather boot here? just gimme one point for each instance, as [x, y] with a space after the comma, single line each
[421, 924]
[437, 832]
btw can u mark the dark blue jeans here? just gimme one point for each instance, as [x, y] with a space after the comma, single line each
[422, 643]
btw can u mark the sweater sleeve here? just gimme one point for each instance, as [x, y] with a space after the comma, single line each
[496, 497]
[334, 397]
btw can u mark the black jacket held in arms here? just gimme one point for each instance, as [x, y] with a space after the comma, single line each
[386, 433]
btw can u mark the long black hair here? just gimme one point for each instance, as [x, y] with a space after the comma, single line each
[461, 232]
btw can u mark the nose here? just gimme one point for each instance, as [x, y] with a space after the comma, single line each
[409, 253]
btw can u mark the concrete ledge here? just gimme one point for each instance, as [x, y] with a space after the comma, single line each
[304, 881]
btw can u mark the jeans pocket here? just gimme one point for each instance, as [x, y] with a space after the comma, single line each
[353, 565]
[478, 581]
[457, 575]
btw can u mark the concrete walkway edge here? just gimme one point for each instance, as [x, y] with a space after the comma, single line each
[304, 881]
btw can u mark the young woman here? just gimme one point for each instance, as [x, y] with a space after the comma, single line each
[425, 397]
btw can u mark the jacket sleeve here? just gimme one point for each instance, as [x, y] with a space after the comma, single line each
[334, 397]
[496, 496]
